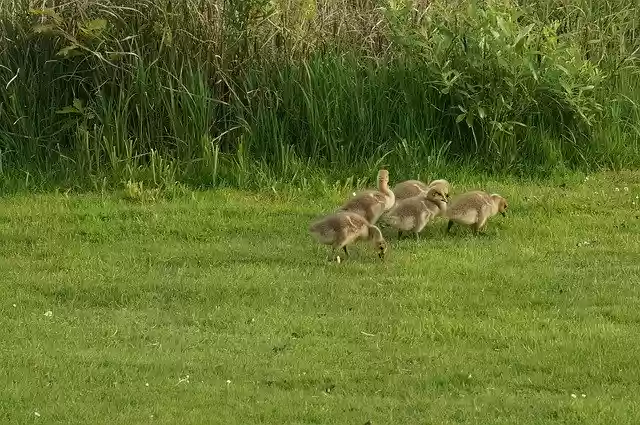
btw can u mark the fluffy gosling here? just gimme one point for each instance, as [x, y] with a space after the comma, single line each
[413, 214]
[410, 188]
[474, 209]
[343, 228]
[371, 204]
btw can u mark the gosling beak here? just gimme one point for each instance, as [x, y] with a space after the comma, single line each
[504, 214]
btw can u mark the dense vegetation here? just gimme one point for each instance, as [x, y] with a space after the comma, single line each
[256, 91]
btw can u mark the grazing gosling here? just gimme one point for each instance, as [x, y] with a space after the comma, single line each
[414, 213]
[474, 209]
[410, 188]
[370, 204]
[343, 228]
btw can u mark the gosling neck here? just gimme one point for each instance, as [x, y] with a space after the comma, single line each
[375, 234]
[495, 204]
[383, 186]
[442, 206]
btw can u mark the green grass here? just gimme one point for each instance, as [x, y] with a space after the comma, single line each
[228, 289]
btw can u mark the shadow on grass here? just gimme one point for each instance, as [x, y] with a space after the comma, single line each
[438, 232]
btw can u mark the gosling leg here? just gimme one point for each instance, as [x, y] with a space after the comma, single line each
[333, 253]
[449, 226]
[481, 224]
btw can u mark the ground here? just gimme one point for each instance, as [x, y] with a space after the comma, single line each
[218, 307]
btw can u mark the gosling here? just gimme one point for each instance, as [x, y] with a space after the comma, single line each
[410, 188]
[343, 228]
[474, 209]
[371, 204]
[413, 214]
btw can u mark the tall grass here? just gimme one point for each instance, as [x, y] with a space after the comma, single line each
[253, 91]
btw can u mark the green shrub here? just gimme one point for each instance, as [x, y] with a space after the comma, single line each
[253, 92]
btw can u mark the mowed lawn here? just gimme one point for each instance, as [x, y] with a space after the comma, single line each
[219, 308]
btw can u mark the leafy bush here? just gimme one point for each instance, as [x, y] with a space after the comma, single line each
[256, 91]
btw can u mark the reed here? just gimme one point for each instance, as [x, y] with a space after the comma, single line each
[254, 91]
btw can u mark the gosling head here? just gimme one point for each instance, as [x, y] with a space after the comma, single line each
[383, 176]
[375, 235]
[381, 247]
[502, 203]
[437, 194]
[442, 185]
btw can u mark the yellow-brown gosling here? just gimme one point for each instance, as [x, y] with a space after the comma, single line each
[410, 188]
[343, 228]
[413, 214]
[370, 204]
[474, 209]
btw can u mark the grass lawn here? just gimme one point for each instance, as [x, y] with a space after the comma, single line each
[220, 308]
